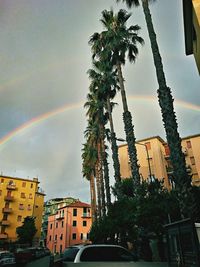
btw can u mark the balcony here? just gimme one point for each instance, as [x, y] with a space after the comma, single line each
[188, 168]
[59, 216]
[7, 210]
[86, 215]
[9, 198]
[3, 236]
[11, 186]
[5, 223]
[169, 170]
[185, 152]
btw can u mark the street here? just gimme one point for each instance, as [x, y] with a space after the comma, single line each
[42, 262]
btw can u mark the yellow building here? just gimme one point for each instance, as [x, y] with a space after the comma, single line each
[19, 198]
[191, 148]
[191, 14]
[154, 159]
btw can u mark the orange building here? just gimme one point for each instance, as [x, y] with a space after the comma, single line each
[154, 159]
[70, 226]
[19, 198]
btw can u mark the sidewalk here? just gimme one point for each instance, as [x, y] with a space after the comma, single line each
[150, 264]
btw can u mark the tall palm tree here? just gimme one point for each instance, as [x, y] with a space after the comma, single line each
[92, 136]
[98, 117]
[115, 43]
[182, 179]
[104, 81]
[89, 157]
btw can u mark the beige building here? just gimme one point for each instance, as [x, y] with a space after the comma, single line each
[19, 198]
[153, 158]
[191, 15]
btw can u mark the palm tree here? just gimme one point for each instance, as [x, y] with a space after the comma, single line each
[115, 43]
[89, 157]
[182, 179]
[104, 81]
[96, 115]
[92, 136]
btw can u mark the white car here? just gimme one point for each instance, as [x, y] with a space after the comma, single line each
[7, 258]
[98, 253]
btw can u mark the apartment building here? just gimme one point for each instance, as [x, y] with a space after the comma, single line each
[154, 159]
[69, 226]
[191, 15]
[19, 198]
[51, 207]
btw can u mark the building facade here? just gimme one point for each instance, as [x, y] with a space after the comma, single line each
[191, 15]
[19, 198]
[69, 226]
[154, 159]
[51, 207]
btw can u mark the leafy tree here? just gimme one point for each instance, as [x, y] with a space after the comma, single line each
[27, 231]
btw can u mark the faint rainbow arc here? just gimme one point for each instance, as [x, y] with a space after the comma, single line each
[39, 119]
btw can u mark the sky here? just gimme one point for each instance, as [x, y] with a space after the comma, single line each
[44, 58]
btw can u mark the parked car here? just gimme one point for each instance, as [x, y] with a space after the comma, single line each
[95, 253]
[7, 258]
[23, 255]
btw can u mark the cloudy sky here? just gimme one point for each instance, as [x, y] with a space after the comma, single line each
[44, 57]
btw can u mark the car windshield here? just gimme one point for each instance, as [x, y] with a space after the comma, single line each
[70, 254]
[106, 254]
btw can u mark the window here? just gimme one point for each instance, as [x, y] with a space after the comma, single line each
[23, 195]
[84, 223]
[192, 160]
[50, 238]
[19, 218]
[74, 212]
[62, 224]
[24, 184]
[51, 225]
[21, 206]
[30, 196]
[31, 185]
[148, 145]
[188, 144]
[56, 225]
[2, 180]
[84, 210]
[55, 237]
[61, 236]
[74, 223]
[106, 254]
[74, 236]
[60, 248]
[81, 236]
[29, 207]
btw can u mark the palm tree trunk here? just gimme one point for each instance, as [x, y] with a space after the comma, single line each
[103, 202]
[93, 198]
[98, 185]
[181, 176]
[114, 146]
[129, 130]
[105, 167]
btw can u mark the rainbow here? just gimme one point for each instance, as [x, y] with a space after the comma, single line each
[37, 120]
[43, 117]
